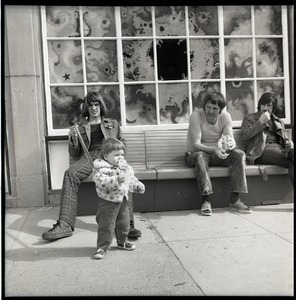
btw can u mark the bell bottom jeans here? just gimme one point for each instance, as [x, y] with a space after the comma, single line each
[112, 218]
[201, 161]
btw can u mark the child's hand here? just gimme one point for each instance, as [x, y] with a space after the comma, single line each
[139, 188]
[120, 179]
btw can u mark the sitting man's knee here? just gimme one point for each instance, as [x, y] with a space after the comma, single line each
[239, 154]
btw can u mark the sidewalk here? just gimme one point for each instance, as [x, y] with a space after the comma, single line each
[179, 253]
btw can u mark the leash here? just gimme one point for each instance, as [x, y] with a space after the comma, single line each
[84, 147]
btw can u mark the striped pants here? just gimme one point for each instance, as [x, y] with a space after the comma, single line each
[71, 182]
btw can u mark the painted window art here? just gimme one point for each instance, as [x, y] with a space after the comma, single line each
[153, 64]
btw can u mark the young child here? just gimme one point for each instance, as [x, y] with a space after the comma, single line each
[114, 178]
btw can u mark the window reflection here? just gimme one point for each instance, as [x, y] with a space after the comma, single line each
[204, 59]
[66, 104]
[136, 21]
[101, 61]
[174, 103]
[239, 99]
[268, 20]
[140, 104]
[138, 60]
[65, 64]
[98, 21]
[203, 20]
[269, 56]
[237, 20]
[62, 21]
[238, 58]
[170, 20]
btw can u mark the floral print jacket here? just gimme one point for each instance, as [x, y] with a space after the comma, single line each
[105, 178]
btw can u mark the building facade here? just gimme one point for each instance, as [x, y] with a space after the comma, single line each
[152, 64]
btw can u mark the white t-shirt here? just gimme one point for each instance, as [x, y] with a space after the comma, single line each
[210, 134]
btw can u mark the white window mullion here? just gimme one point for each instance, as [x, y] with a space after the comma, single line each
[254, 55]
[221, 50]
[83, 50]
[155, 65]
[188, 60]
[287, 119]
[46, 73]
[120, 66]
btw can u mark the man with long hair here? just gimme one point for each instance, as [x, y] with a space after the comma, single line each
[94, 128]
[265, 137]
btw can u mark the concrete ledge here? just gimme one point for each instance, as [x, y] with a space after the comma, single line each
[187, 173]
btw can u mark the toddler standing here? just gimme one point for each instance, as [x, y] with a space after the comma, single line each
[113, 178]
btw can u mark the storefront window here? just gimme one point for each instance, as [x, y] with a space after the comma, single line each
[153, 64]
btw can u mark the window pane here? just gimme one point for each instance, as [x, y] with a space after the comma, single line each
[110, 94]
[199, 89]
[238, 58]
[173, 103]
[204, 58]
[237, 20]
[172, 59]
[170, 20]
[65, 104]
[62, 21]
[98, 21]
[140, 104]
[203, 20]
[269, 57]
[136, 21]
[277, 87]
[64, 59]
[240, 99]
[268, 20]
[138, 61]
[101, 61]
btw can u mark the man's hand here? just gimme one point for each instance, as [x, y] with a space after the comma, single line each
[73, 133]
[264, 118]
[221, 153]
[230, 142]
[289, 144]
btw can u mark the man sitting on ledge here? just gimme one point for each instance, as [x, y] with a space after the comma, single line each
[264, 134]
[210, 142]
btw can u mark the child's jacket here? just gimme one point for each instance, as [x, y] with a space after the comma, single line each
[105, 178]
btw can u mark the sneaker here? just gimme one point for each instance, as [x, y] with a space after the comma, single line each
[240, 207]
[134, 233]
[206, 209]
[58, 231]
[127, 246]
[100, 254]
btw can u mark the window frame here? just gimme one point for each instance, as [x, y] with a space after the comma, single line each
[189, 81]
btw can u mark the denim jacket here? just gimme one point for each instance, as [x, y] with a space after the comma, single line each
[254, 137]
[110, 128]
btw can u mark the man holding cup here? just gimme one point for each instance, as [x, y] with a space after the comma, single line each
[210, 142]
[265, 137]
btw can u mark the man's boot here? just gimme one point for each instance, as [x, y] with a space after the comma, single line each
[134, 233]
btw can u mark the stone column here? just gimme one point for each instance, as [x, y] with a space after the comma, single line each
[25, 106]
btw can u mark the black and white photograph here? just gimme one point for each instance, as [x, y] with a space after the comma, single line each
[147, 150]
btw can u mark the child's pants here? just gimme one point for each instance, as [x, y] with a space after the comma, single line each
[111, 215]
